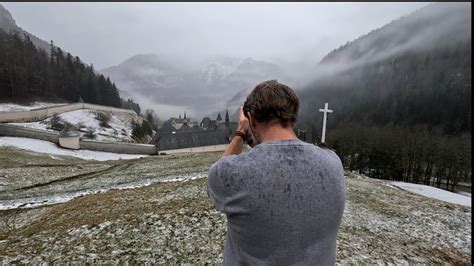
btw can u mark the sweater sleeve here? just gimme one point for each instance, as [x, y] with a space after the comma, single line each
[216, 188]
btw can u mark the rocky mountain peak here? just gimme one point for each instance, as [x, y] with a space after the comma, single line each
[7, 22]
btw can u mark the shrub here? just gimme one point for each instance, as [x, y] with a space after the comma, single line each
[56, 123]
[147, 128]
[103, 118]
[137, 131]
[90, 134]
[141, 131]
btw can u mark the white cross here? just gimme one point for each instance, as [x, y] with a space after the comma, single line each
[325, 111]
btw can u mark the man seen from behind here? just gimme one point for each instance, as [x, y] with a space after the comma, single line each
[284, 198]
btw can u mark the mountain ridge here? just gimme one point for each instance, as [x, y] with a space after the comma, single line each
[420, 56]
[414, 26]
[8, 23]
[216, 78]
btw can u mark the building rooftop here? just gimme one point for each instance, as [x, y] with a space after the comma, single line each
[190, 139]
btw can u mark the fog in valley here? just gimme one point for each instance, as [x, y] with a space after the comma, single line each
[202, 58]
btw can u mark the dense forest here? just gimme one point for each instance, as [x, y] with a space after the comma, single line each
[431, 88]
[405, 117]
[26, 71]
[411, 122]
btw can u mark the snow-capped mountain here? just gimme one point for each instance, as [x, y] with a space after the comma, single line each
[217, 69]
[203, 89]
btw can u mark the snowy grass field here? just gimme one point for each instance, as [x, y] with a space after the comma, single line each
[155, 209]
[51, 149]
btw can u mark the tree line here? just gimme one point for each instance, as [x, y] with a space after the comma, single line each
[418, 155]
[26, 71]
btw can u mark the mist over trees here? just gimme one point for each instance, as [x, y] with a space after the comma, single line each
[431, 88]
[26, 71]
[130, 104]
[407, 116]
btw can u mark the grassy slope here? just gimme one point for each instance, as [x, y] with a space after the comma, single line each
[175, 222]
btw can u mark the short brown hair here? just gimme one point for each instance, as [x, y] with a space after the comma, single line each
[273, 101]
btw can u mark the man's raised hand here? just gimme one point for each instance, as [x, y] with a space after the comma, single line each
[243, 125]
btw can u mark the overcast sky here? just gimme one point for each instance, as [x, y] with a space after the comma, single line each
[106, 34]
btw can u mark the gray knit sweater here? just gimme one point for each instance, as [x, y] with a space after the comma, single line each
[284, 202]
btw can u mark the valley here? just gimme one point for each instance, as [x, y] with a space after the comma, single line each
[400, 92]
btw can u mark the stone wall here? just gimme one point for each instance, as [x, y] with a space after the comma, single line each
[220, 147]
[45, 112]
[106, 108]
[116, 147]
[22, 132]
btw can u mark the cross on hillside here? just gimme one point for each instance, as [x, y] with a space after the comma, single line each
[325, 111]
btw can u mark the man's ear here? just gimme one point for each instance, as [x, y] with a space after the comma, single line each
[251, 120]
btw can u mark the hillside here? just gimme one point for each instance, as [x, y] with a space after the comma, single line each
[28, 72]
[7, 24]
[97, 125]
[151, 210]
[32, 69]
[401, 97]
[115, 126]
[414, 70]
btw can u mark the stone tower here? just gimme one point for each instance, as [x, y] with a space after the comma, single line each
[227, 119]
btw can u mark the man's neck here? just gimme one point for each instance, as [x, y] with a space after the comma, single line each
[276, 132]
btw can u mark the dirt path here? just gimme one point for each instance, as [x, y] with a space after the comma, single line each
[83, 176]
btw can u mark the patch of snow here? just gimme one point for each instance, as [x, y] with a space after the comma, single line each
[42, 146]
[464, 193]
[12, 107]
[216, 71]
[55, 157]
[84, 116]
[41, 125]
[354, 174]
[104, 224]
[435, 193]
